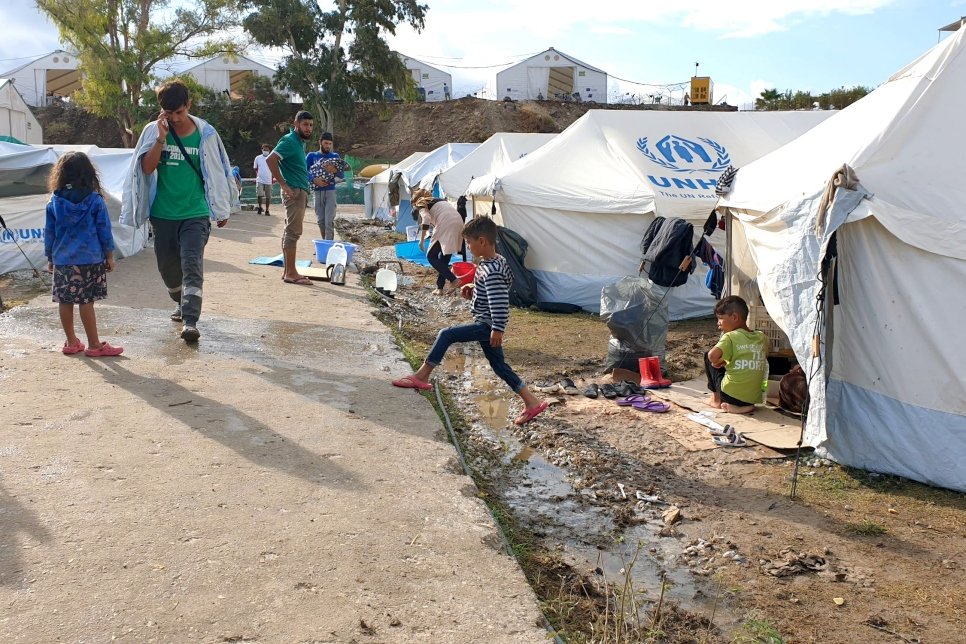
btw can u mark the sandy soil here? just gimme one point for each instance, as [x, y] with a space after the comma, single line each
[855, 557]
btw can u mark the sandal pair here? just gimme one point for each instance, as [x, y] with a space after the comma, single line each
[643, 403]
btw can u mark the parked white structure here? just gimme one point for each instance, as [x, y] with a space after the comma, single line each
[227, 72]
[16, 120]
[52, 75]
[437, 83]
[551, 75]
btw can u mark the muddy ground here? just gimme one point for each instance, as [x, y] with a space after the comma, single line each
[854, 557]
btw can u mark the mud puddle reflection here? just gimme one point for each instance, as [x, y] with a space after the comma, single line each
[546, 504]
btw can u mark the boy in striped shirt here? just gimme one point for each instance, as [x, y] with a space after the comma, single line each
[490, 294]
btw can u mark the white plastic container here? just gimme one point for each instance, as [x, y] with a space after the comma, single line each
[337, 255]
[386, 280]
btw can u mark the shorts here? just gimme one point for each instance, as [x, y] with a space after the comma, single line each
[79, 283]
[263, 190]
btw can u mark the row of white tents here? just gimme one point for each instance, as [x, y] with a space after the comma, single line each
[885, 389]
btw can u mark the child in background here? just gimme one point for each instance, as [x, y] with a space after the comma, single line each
[490, 293]
[737, 365]
[80, 250]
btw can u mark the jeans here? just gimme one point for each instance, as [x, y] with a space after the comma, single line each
[475, 332]
[715, 376]
[440, 262]
[179, 246]
[325, 213]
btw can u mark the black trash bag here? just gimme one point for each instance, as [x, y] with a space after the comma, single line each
[513, 247]
[636, 313]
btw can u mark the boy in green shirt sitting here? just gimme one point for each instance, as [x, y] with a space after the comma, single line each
[737, 365]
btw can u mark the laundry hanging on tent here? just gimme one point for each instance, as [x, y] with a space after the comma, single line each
[513, 248]
[666, 250]
[725, 181]
[715, 263]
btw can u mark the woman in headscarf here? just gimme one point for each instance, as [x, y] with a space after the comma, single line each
[447, 235]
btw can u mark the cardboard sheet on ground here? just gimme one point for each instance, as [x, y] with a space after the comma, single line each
[277, 261]
[766, 426]
[314, 272]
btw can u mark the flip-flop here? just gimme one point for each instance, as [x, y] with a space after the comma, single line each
[569, 387]
[592, 390]
[411, 382]
[530, 414]
[731, 440]
[301, 281]
[727, 430]
[68, 350]
[607, 391]
[633, 387]
[633, 399]
[652, 405]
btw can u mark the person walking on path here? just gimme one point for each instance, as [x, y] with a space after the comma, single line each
[324, 189]
[490, 293]
[287, 164]
[447, 225]
[263, 179]
[80, 250]
[181, 178]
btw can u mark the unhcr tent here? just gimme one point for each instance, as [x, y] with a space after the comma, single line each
[494, 154]
[584, 200]
[422, 174]
[887, 389]
[376, 192]
[23, 199]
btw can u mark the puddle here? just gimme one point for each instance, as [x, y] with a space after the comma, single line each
[544, 501]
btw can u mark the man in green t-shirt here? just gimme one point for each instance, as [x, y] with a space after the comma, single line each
[192, 174]
[738, 365]
[287, 163]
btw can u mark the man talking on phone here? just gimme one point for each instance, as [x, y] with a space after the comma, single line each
[181, 179]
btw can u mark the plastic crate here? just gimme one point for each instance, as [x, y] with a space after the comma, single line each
[759, 320]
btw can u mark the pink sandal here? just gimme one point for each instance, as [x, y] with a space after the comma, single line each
[530, 414]
[412, 382]
[105, 351]
[69, 350]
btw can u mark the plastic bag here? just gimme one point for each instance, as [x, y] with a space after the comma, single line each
[636, 313]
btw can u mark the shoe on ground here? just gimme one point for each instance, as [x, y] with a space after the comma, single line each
[104, 351]
[176, 316]
[258, 210]
[190, 333]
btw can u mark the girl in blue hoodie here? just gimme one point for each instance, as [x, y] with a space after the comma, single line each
[80, 249]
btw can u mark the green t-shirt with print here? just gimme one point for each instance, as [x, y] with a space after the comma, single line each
[180, 194]
[291, 150]
[745, 364]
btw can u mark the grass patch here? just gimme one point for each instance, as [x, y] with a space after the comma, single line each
[866, 529]
[758, 631]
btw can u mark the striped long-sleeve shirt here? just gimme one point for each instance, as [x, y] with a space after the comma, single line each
[491, 293]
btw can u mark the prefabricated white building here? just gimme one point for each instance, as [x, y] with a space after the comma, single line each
[429, 78]
[227, 72]
[55, 74]
[584, 213]
[886, 386]
[16, 120]
[551, 75]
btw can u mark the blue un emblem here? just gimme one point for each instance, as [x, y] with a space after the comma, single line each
[684, 155]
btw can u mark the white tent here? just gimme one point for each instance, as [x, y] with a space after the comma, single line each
[551, 75]
[376, 192]
[423, 174]
[436, 82]
[889, 393]
[23, 199]
[494, 154]
[54, 74]
[16, 119]
[584, 200]
[227, 72]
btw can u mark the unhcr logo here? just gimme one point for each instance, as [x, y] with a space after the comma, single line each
[679, 154]
[8, 236]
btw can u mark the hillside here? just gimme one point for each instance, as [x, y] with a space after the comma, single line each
[381, 131]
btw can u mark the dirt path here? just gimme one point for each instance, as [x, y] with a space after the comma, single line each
[268, 485]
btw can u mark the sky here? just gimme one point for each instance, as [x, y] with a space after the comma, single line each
[745, 46]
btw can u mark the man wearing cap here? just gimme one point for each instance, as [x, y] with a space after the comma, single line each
[325, 191]
[287, 163]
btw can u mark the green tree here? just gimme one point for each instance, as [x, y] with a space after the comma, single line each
[772, 99]
[119, 43]
[335, 57]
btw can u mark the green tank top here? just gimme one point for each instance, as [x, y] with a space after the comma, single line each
[180, 194]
